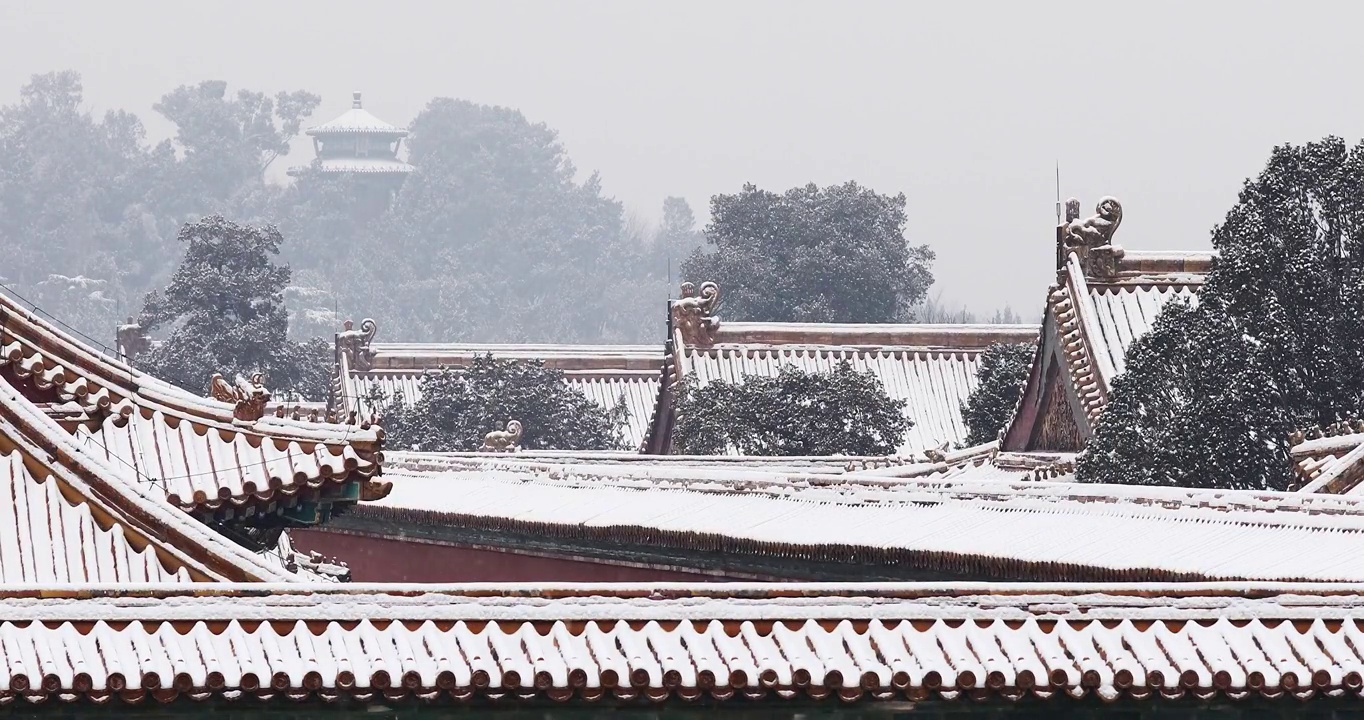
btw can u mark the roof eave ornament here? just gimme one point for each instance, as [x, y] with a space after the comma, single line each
[508, 440]
[131, 340]
[249, 397]
[354, 344]
[1091, 239]
[693, 314]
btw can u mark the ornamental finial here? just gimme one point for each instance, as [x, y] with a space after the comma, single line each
[503, 440]
[693, 314]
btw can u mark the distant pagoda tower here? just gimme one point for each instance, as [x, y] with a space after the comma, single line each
[357, 142]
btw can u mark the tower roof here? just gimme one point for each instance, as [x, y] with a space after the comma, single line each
[357, 120]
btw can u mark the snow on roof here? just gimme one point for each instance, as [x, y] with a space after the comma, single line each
[1009, 529]
[1117, 314]
[872, 336]
[66, 372]
[1330, 464]
[46, 538]
[133, 519]
[430, 461]
[607, 374]
[356, 120]
[205, 471]
[366, 165]
[870, 643]
[1091, 322]
[931, 367]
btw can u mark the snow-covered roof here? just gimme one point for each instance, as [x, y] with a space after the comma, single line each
[215, 473]
[68, 516]
[606, 374]
[1092, 318]
[364, 165]
[931, 367]
[178, 439]
[980, 462]
[1331, 463]
[885, 526]
[660, 642]
[45, 537]
[356, 120]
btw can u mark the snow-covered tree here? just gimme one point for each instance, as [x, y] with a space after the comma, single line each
[811, 254]
[494, 238]
[224, 311]
[459, 406]
[999, 383]
[226, 142]
[1210, 395]
[795, 412]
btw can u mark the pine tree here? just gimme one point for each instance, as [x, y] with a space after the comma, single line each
[843, 412]
[459, 406]
[225, 310]
[999, 383]
[1211, 393]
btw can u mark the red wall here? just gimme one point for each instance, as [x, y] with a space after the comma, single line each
[375, 559]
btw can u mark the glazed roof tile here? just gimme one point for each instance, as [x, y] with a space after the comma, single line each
[75, 517]
[931, 367]
[69, 373]
[628, 643]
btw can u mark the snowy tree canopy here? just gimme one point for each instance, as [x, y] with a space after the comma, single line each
[811, 254]
[844, 412]
[1211, 394]
[224, 310]
[999, 383]
[459, 406]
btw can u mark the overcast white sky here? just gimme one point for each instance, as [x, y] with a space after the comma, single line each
[965, 107]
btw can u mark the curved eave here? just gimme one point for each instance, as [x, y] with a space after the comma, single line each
[110, 494]
[98, 382]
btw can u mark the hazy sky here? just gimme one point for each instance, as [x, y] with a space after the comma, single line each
[964, 107]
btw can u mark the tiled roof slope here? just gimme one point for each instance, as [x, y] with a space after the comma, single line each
[356, 120]
[1332, 463]
[932, 367]
[636, 643]
[67, 516]
[888, 526]
[184, 441]
[46, 538]
[607, 374]
[1094, 313]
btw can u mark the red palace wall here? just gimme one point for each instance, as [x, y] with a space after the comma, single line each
[377, 559]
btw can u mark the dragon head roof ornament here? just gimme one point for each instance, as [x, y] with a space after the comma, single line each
[248, 396]
[354, 344]
[1091, 239]
[693, 314]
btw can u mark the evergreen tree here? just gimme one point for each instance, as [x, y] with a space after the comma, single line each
[224, 309]
[77, 224]
[999, 383]
[835, 254]
[495, 202]
[458, 407]
[1211, 394]
[843, 412]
